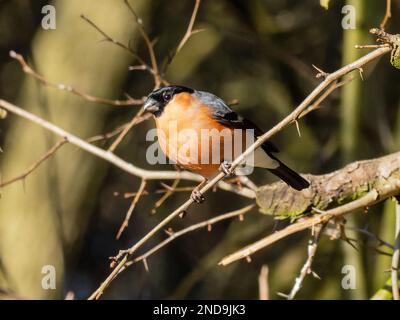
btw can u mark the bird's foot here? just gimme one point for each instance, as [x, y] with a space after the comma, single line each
[197, 196]
[225, 167]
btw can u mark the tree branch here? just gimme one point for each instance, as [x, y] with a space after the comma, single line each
[63, 87]
[115, 160]
[368, 182]
[135, 200]
[118, 43]
[388, 14]
[208, 223]
[189, 32]
[158, 80]
[332, 189]
[263, 283]
[369, 199]
[204, 224]
[306, 269]
[32, 168]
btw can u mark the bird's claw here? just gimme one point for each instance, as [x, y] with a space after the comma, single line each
[197, 196]
[225, 167]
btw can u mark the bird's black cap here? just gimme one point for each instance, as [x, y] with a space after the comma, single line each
[158, 99]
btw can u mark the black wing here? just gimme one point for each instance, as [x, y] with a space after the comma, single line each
[226, 116]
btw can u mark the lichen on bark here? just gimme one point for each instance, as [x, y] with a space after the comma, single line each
[332, 189]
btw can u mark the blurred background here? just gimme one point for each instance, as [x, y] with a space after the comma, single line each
[260, 52]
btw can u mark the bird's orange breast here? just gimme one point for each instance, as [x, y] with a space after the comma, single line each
[189, 136]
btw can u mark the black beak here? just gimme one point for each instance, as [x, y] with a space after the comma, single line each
[151, 105]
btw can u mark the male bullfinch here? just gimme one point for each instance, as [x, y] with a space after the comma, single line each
[191, 113]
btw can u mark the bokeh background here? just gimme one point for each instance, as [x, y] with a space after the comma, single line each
[261, 52]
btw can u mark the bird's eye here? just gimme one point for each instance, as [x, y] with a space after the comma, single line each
[167, 96]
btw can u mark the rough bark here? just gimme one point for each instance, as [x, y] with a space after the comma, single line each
[336, 188]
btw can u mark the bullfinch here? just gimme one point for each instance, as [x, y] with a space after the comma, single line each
[199, 132]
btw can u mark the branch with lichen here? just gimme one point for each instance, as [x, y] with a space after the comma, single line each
[332, 189]
[358, 185]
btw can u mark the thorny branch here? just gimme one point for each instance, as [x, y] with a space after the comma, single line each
[317, 104]
[306, 269]
[172, 236]
[131, 208]
[204, 224]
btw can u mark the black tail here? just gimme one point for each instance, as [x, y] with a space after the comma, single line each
[292, 178]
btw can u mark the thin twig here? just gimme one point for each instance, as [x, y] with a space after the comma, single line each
[158, 80]
[244, 180]
[367, 200]
[118, 43]
[396, 254]
[32, 168]
[388, 14]
[160, 191]
[168, 192]
[306, 269]
[317, 104]
[200, 225]
[172, 236]
[372, 235]
[263, 284]
[98, 293]
[131, 208]
[108, 135]
[247, 192]
[63, 87]
[189, 32]
[139, 117]
[370, 46]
